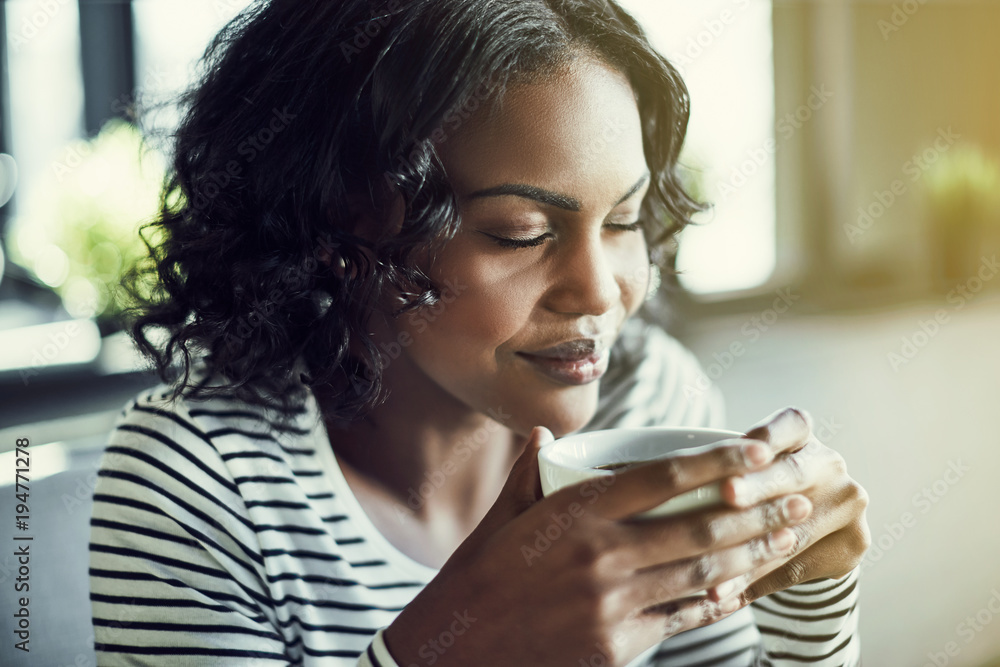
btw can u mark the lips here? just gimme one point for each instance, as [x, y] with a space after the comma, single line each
[573, 363]
[573, 350]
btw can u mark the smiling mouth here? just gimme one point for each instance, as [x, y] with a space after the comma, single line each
[576, 369]
[579, 349]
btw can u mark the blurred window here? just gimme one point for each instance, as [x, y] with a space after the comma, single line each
[46, 87]
[723, 50]
[171, 35]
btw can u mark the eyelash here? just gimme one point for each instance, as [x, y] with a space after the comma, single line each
[539, 240]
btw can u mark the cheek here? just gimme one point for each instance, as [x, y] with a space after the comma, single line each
[633, 271]
[483, 305]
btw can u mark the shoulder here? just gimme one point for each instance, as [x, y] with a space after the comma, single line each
[178, 442]
[653, 379]
[159, 450]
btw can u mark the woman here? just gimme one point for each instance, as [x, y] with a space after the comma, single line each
[405, 244]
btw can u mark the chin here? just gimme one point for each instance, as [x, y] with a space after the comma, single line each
[562, 414]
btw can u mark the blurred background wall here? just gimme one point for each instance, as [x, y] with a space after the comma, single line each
[848, 266]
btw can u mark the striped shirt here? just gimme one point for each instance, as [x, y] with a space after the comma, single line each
[219, 538]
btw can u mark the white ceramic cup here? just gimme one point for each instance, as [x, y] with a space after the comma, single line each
[572, 459]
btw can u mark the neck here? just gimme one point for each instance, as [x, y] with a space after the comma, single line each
[435, 458]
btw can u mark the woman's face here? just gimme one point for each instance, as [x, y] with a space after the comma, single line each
[562, 165]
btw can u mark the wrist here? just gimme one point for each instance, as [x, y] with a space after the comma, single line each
[397, 640]
[377, 654]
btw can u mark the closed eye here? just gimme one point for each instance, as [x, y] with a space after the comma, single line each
[504, 242]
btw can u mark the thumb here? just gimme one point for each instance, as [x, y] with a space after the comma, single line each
[524, 483]
[523, 487]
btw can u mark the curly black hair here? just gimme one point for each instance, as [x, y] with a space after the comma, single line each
[308, 111]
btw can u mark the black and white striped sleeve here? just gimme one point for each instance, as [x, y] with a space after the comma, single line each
[175, 572]
[815, 623]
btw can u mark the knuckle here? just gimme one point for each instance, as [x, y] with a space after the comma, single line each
[801, 536]
[758, 550]
[799, 413]
[861, 497]
[703, 569]
[584, 553]
[610, 604]
[837, 462]
[589, 591]
[710, 612]
[706, 533]
[591, 598]
[673, 622]
[771, 515]
[793, 572]
[604, 563]
[672, 472]
[732, 457]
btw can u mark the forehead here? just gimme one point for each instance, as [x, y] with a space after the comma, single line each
[572, 132]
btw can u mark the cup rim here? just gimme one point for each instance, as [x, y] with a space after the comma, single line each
[549, 450]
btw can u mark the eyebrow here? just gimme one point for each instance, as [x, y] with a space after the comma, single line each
[547, 197]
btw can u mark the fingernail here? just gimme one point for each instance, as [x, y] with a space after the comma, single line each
[795, 508]
[781, 540]
[726, 588]
[756, 454]
[741, 490]
[730, 605]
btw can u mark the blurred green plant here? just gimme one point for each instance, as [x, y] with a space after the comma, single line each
[962, 192]
[77, 228]
[963, 187]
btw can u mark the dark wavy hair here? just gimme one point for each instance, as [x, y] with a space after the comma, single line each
[309, 111]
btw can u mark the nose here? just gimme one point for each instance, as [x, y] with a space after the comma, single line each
[585, 281]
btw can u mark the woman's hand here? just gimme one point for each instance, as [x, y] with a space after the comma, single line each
[833, 539]
[553, 580]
